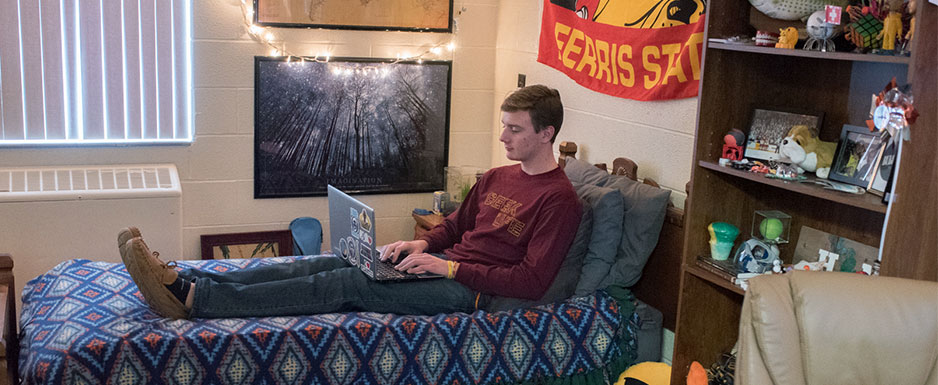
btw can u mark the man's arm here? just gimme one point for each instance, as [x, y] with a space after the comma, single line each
[530, 279]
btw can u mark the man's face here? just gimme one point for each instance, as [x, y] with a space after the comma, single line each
[521, 142]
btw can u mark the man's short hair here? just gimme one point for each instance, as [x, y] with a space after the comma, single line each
[542, 102]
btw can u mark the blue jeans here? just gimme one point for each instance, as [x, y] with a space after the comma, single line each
[324, 284]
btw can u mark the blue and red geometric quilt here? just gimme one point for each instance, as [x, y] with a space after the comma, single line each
[85, 322]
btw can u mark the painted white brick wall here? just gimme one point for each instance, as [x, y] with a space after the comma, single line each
[656, 135]
[497, 39]
[217, 169]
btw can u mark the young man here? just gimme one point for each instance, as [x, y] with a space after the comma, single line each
[508, 238]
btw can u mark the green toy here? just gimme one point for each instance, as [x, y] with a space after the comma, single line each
[722, 236]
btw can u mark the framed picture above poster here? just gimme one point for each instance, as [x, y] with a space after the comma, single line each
[768, 127]
[361, 125]
[384, 15]
[261, 244]
[857, 158]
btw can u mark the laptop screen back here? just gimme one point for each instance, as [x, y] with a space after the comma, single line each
[352, 230]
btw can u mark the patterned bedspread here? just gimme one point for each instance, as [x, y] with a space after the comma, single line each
[85, 322]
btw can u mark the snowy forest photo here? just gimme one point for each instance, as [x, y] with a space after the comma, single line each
[361, 125]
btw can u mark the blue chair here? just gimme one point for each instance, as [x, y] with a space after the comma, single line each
[307, 236]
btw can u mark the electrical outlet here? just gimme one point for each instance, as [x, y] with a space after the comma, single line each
[521, 79]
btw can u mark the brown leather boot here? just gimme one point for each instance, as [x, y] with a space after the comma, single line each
[151, 276]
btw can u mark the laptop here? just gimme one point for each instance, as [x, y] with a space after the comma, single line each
[352, 237]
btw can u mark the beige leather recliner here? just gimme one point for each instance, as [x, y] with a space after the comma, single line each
[827, 328]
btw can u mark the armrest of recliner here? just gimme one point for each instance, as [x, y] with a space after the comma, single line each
[769, 350]
[866, 329]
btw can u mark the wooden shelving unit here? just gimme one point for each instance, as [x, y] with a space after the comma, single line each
[849, 56]
[737, 78]
[865, 201]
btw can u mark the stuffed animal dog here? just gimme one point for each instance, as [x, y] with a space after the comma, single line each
[803, 148]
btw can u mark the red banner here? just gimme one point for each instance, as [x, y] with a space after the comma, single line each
[647, 62]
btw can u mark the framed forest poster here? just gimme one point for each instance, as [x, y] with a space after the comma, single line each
[394, 15]
[361, 125]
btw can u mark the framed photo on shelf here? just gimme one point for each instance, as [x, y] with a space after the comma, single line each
[384, 15]
[857, 158]
[852, 255]
[363, 125]
[768, 127]
[887, 161]
[260, 244]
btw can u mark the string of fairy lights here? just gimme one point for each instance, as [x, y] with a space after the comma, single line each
[278, 47]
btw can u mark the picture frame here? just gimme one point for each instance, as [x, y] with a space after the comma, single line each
[384, 15]
[856, 160]
[363, 125]
[882, 180]
[768, 127]
[258, 244]
[852, 255]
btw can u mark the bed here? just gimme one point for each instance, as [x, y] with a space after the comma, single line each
[85, 322]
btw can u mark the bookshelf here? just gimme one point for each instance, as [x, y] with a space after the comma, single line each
[737, 78]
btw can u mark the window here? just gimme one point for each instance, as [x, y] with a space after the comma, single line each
[95, 72]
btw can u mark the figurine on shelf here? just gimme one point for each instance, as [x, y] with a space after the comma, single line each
[907, 44]
[732, 147]
[892, 27]
[788, 37]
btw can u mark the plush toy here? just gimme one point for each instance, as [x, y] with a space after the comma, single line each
[802, 148]
[646, 373]
[787, 39]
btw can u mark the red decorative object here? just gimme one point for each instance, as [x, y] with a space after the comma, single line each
[732, 152]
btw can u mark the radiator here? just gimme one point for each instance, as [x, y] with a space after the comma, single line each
[51, 214]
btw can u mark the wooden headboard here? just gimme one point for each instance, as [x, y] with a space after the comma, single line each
[659, 285]
[9, 343]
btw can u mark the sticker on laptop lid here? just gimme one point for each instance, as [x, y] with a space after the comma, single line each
[344, 250]
[364, 220]
[353, 220]
[353, 251]
[364, 251]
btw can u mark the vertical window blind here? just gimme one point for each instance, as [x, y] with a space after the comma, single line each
[95, 72]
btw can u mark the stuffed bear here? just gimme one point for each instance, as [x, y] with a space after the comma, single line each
[802, 148]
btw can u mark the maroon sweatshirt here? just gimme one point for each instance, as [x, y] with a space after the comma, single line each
[511, 233]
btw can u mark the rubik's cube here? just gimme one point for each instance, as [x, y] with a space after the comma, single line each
[862, 32]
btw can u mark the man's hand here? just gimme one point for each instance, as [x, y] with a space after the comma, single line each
[423, 263]
[393, 251]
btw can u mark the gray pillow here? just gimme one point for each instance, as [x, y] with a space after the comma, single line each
[645, 208]
[580, 172]
[568, 275]
[607, 205]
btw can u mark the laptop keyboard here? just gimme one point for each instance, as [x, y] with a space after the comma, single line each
[385, 270]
